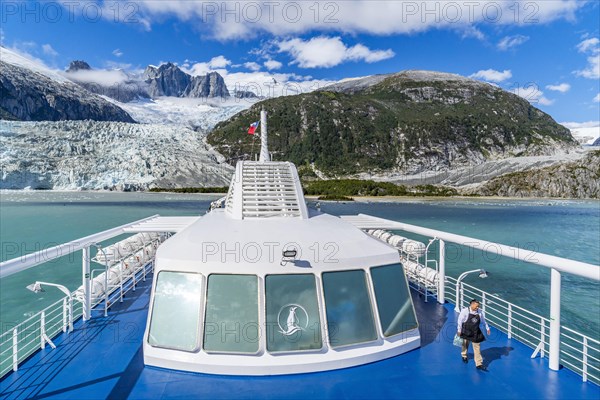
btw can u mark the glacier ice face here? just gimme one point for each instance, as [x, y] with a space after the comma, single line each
[198, 114]
[75, 155]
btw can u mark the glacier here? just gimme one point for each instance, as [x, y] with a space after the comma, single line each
[90, 155]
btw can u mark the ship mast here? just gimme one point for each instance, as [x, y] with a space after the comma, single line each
[264, 146]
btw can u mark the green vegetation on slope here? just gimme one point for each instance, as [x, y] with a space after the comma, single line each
[392, 125]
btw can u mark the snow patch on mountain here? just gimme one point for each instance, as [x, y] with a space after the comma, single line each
[11, 56]
[584, 132]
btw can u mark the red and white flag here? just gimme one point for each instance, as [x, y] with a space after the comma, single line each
[252, 129]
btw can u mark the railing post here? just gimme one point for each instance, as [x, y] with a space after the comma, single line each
[71, 313]
[585, 359]
[15, 349]
[87, 283]
[543, 337]
[441, 295]
[121, 280]
[483, 301]
[106, 291]
[65, 323]
[554, 351]
[43, 330]
[509, 328]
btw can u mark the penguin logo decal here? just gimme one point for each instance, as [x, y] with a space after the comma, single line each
[291, 319]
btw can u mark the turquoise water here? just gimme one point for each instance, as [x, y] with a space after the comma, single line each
[30, 221]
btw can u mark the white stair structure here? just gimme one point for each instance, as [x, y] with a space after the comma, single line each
[265, 189]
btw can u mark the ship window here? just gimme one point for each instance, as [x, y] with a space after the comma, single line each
[176, 311]
[394, 304]
[231, 323]
[348, 306]
[293, 322]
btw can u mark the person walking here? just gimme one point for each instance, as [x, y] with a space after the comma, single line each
[469, 320]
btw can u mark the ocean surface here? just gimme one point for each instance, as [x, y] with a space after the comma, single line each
[32, 221]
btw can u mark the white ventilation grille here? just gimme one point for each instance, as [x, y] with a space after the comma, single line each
[265, 189]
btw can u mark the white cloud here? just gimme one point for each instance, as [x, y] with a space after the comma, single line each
[532, 94]
[509, 42]
[577, 125]
[491, 75]
[472, 32]
[117, 53]
[360, 52]
[49, 51]
[597, 98]
[272, 64]
[588, 45]
[592, 47]
[271, 84]
[218, 62]
[197, 69]
[326, 52]
[252, 66]
[593, 69]
[110, 65]
[99, 76]
[563, 87]
[230, 20]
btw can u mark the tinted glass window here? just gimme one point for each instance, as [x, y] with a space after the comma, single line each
[231, 323]
[394, 304]
[349, 312]
[293, 322]
[175, 319]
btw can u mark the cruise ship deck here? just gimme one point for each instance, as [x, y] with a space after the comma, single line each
[103, 358]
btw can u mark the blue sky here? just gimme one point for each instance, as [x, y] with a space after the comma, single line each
[547, 51]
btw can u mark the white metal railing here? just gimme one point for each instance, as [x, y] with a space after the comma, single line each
[556, 265]
[19, 342]
[127, 264]
[579, 353]
[121, 263]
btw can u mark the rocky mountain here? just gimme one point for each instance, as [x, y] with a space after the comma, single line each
[244, 94]
[170, 80]
[29, 92]
[410, 122]
[580, 179]
[72, 155]
[596, 142]
[126, 89]
[167, 80]
[78, 65]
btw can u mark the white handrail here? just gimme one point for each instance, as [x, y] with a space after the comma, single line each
[578, 268]
[22, 263]
[505, 316]
[39, 329]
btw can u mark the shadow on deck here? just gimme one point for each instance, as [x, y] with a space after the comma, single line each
[103, 359]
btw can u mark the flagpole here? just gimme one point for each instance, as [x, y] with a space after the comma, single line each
[252, 149]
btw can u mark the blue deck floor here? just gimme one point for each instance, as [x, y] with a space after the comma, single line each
[103, 359]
